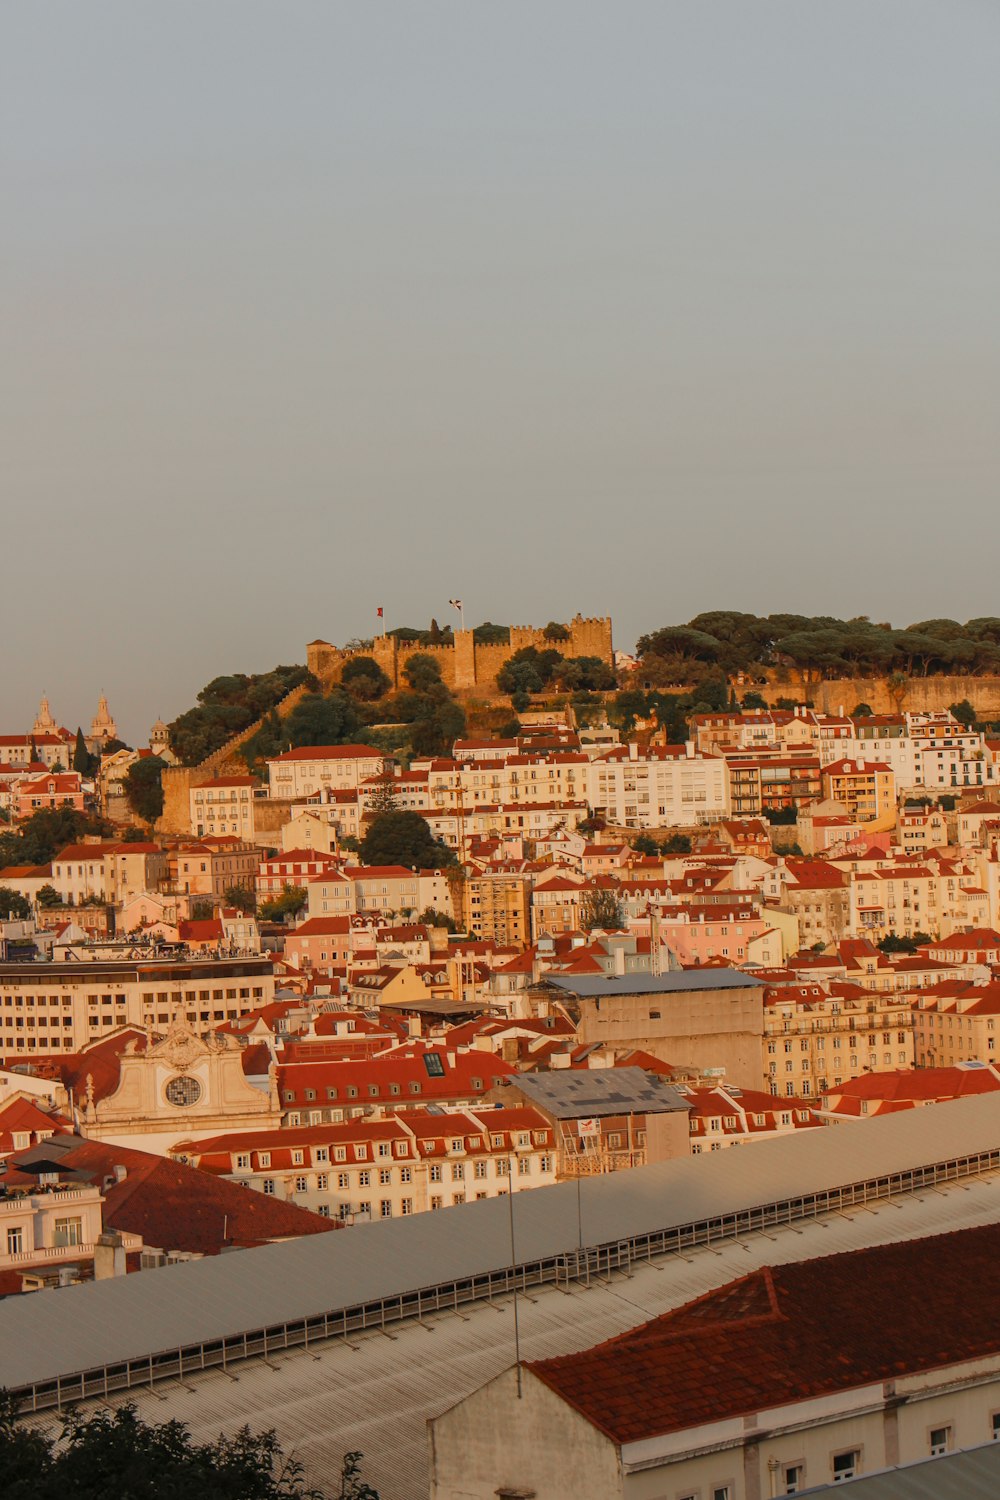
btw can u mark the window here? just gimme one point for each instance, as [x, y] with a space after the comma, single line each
[995, 1426]
[243, 1162]
[722, 1492]
[267, 1186]
[480, 1170]
[297, 1158]
[15, 1240]
[794, 1478]
[385, 1208]
[322, 1182]
[385, 1176]
[265, 1158]
[846, 1465]
[343, 1180]
[301, 1184]
[940, 1440]
[364, 1179]
[436, 1173]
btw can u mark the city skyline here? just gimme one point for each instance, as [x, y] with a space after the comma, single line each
[690, 312]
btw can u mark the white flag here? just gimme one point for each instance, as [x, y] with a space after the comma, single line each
[455, 603]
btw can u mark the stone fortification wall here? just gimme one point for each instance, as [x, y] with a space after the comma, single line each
[179, 781]
[886, 696]
[465, 665]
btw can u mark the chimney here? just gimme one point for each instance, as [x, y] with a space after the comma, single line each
[633, 750]
[619, 957]
[109, 1256]
[413, 1025]
[120, 1172]
[689, 749]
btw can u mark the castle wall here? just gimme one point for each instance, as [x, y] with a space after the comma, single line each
[887, 696]
[465, 665]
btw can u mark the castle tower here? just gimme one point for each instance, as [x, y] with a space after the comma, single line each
[44, 722]
[103, 726]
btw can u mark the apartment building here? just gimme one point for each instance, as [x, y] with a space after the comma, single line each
[662, 787]
[387, 1167]
[866, 789]
[817, 1037]
[59, 1007]
[224, 805]
[318, 768]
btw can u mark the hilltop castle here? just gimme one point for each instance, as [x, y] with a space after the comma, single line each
[466, 665]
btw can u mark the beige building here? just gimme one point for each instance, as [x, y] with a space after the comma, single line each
[697, 1018]
[388, 1167]
[497, 907]
[319, 768]
[814, 1040]
[49, 1008]
[224, 805]
[183, 1085]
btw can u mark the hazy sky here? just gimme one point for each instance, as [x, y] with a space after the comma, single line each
[637, 309]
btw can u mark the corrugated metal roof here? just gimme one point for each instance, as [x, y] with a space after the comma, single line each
[682, 982]
[575, 1093]
[376, 1393]
[974, 1475]
[107, 1322]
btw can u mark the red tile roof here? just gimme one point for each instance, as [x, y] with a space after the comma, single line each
[786, 1334]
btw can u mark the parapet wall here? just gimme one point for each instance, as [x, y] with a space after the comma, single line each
[466, 666]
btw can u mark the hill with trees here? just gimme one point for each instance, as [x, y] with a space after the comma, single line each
[729, 642]
[226, 706]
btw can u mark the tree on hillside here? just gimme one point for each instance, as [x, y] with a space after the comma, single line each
[83, 762]
[643, 844]
[40, 837]
[228, 705]
[404, 838]
[488, 634]
[48, 896]
[117, 1453]
[437, 733]
[364, 679]
[677, 843]
[556, 632]
[13, 905]
[423, 673]
[602, 909]
[319, 720]
[964, 712]
[383, 797]
[269, 741]
[144, 789]
[242, 897]
[289, 903]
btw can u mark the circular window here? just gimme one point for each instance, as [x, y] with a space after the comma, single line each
[183, 1091]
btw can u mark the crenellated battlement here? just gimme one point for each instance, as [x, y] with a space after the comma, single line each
[467, 665]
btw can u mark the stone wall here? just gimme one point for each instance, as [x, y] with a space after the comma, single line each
[883, 696]
[466, 666]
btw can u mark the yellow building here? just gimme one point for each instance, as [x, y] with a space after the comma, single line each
[498, 908]
[866, 789]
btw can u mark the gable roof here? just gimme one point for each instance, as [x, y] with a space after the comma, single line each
[786, 1334]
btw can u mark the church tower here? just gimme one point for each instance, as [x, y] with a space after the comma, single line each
[103, 726]
[44, 722]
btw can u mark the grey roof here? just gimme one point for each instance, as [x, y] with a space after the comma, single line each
[682, 981]
[576, 1093]
[973, 1475]
[376, 1393]
[100, 1323]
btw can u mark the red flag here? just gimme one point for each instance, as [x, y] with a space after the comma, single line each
[379, 611]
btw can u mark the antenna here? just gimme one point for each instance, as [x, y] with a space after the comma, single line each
[513, 1267]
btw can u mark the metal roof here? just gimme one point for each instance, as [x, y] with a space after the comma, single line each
[576, 1093]
[685, 981]
[973, 1475]
[375, 1393]
[107, 1322]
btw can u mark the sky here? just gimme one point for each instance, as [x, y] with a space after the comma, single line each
[634, 309]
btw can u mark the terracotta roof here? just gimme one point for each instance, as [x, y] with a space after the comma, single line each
[330, 752]
[786, 1334]
[175, 1207]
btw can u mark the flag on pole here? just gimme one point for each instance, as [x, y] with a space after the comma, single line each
[455, 603]
[378, 611]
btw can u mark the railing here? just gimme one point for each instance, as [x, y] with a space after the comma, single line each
[579, 1264]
